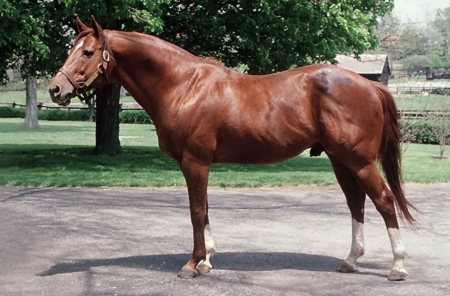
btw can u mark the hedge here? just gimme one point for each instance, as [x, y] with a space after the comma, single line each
[8, 112]
[134, 116]
[422, 132]
[63, 115]
[126, 116]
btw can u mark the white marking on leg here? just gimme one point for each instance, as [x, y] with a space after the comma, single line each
[357, 249]
[209, 245]
[398, 249]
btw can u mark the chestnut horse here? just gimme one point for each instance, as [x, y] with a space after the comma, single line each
[206, 113]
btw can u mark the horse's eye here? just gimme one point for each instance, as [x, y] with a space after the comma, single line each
[88, 53]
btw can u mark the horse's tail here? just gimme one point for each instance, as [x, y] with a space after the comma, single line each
[389, 154]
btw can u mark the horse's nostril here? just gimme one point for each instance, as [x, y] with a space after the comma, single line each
[55, 90]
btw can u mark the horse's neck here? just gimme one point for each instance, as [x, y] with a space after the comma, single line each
[150, 70]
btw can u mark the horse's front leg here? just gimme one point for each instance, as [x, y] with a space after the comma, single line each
[196, 174]
[205, 265]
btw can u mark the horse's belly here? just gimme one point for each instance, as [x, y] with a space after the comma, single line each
[254, 152]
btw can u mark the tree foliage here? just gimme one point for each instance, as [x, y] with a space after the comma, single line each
[266, 35]
[408, 41]
[21, 37]
[35, 35]
[442, 26]
[416, 63]
[273, 35]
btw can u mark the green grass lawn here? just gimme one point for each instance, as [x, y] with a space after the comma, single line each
[416, 102]
[9, 97]
[60, 154]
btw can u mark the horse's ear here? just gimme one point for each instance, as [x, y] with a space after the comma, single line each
[97, 29]
[81, 27]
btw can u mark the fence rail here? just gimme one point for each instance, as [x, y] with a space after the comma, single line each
[74, 106]
[420, 89]
[423, 114]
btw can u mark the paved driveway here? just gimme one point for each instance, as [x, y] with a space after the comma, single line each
[275, 241]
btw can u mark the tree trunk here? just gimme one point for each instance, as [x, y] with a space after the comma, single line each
[31, 118]
[107, 120]
[91, 106]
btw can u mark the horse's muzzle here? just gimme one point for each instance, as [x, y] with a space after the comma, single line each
[55, 93]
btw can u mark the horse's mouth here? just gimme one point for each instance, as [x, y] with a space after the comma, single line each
[62, 101]
[65, 102]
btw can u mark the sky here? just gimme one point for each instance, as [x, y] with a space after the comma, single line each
[418, 10]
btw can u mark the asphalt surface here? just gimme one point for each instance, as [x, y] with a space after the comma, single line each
[270, 241]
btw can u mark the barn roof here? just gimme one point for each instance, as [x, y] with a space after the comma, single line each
[368, 63]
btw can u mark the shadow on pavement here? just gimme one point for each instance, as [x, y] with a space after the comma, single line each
[247, 261]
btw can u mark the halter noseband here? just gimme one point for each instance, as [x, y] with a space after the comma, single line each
[101, 69]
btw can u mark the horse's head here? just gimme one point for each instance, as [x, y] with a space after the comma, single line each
[85, 68]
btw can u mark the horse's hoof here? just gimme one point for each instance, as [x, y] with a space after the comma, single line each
[397, 275]
[203, 268]
[186, 273]
[345, 268]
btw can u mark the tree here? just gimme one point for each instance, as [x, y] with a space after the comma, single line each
[416, 63]
[388, 32]
[36, 34]
[270, 36]
[138, 15]
[442, 25]
[441, 124]
[414, 40]
[31, 120]
[22, 48]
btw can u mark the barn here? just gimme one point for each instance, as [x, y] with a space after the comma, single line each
[371, 66]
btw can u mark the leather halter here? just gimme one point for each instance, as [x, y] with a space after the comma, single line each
[81, 87]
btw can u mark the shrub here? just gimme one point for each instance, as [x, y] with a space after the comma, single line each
[60, 115]
[426, 133]
[134, 116]
[8, 112]
[127, 116]
[419, 132]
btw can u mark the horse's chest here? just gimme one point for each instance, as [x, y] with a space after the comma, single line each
[169, 144]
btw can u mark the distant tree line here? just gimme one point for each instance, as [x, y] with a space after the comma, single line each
[416, 46]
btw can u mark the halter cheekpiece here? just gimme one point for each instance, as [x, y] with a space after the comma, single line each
[81, 90]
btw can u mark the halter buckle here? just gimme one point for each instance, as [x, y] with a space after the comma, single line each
[105, 55]
[100, 68]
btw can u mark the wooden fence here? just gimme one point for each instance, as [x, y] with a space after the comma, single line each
[73, 106]
[420, 89]
[423, 114]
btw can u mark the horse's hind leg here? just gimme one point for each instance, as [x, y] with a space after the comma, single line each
[371, 182]
[355, 200]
